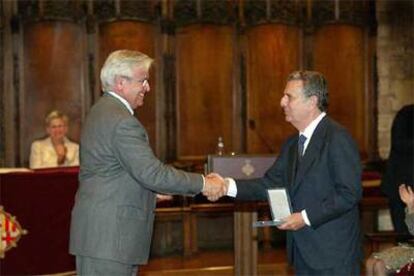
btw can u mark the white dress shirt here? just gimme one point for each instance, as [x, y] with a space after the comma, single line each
[123, 101]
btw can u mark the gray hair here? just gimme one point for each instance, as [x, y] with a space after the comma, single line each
[121, 63]
[55, 114]
[314, 84]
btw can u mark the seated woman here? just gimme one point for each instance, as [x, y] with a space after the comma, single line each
[393, 259]
[56, 150]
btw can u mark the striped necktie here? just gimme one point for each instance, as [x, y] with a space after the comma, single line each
[301, 143]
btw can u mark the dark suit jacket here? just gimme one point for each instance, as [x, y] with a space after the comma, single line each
[114, 206]
[327, 185]
[400, 165]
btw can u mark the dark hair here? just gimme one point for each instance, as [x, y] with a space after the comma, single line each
[314, 84]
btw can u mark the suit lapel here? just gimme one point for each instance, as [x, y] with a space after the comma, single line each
[292, 163]
[312, 152]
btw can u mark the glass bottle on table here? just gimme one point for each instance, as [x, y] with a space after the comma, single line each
[220, 146]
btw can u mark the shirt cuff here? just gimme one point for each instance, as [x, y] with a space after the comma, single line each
[305, 217]
[204, 183]
[232, 189]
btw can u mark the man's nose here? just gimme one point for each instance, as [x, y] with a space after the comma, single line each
[283, 101]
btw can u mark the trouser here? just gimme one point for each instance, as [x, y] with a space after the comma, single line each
[349, 268]
[93, 266]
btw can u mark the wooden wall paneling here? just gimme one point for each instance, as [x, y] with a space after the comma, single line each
[2, 99]
[204, 56]
[53, 78]
[133, 35]
[2, 86]
[239, 93]
[273, 51]
[166, 127]
[371, 115]
[9, 139]
[92, 50]
[339, 55]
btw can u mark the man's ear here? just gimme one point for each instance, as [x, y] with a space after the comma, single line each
[313, 100]
[119, 82]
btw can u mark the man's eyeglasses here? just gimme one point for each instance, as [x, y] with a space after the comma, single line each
[143, 82]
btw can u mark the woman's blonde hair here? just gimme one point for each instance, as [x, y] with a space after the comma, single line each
[55, 114]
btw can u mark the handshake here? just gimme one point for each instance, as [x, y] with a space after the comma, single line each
[215, 186]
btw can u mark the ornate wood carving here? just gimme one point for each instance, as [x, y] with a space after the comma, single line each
[217, 12]
[185, 12]
[104, 9]
[203, 11]
[141, 10]
[285, 11]
[62, 9]
[353, 12]
[264, 11]
[28, 9]
[323, 11]
[255, 11]
[349, 11]
[49, 9]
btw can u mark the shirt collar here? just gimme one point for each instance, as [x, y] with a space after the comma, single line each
[310, 129]
[123, 101]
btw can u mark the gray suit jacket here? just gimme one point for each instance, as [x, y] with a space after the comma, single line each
[114, 206]
[327, 184]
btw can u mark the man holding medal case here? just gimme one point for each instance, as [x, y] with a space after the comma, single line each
[321, 171]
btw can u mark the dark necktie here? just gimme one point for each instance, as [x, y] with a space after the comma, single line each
[301, 143]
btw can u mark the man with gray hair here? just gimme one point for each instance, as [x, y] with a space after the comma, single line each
[113, 215]
[321, 170]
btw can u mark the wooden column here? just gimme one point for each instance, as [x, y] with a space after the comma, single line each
[245, 240]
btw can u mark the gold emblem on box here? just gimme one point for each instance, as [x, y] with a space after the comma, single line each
[247, 168]
[10, 233]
